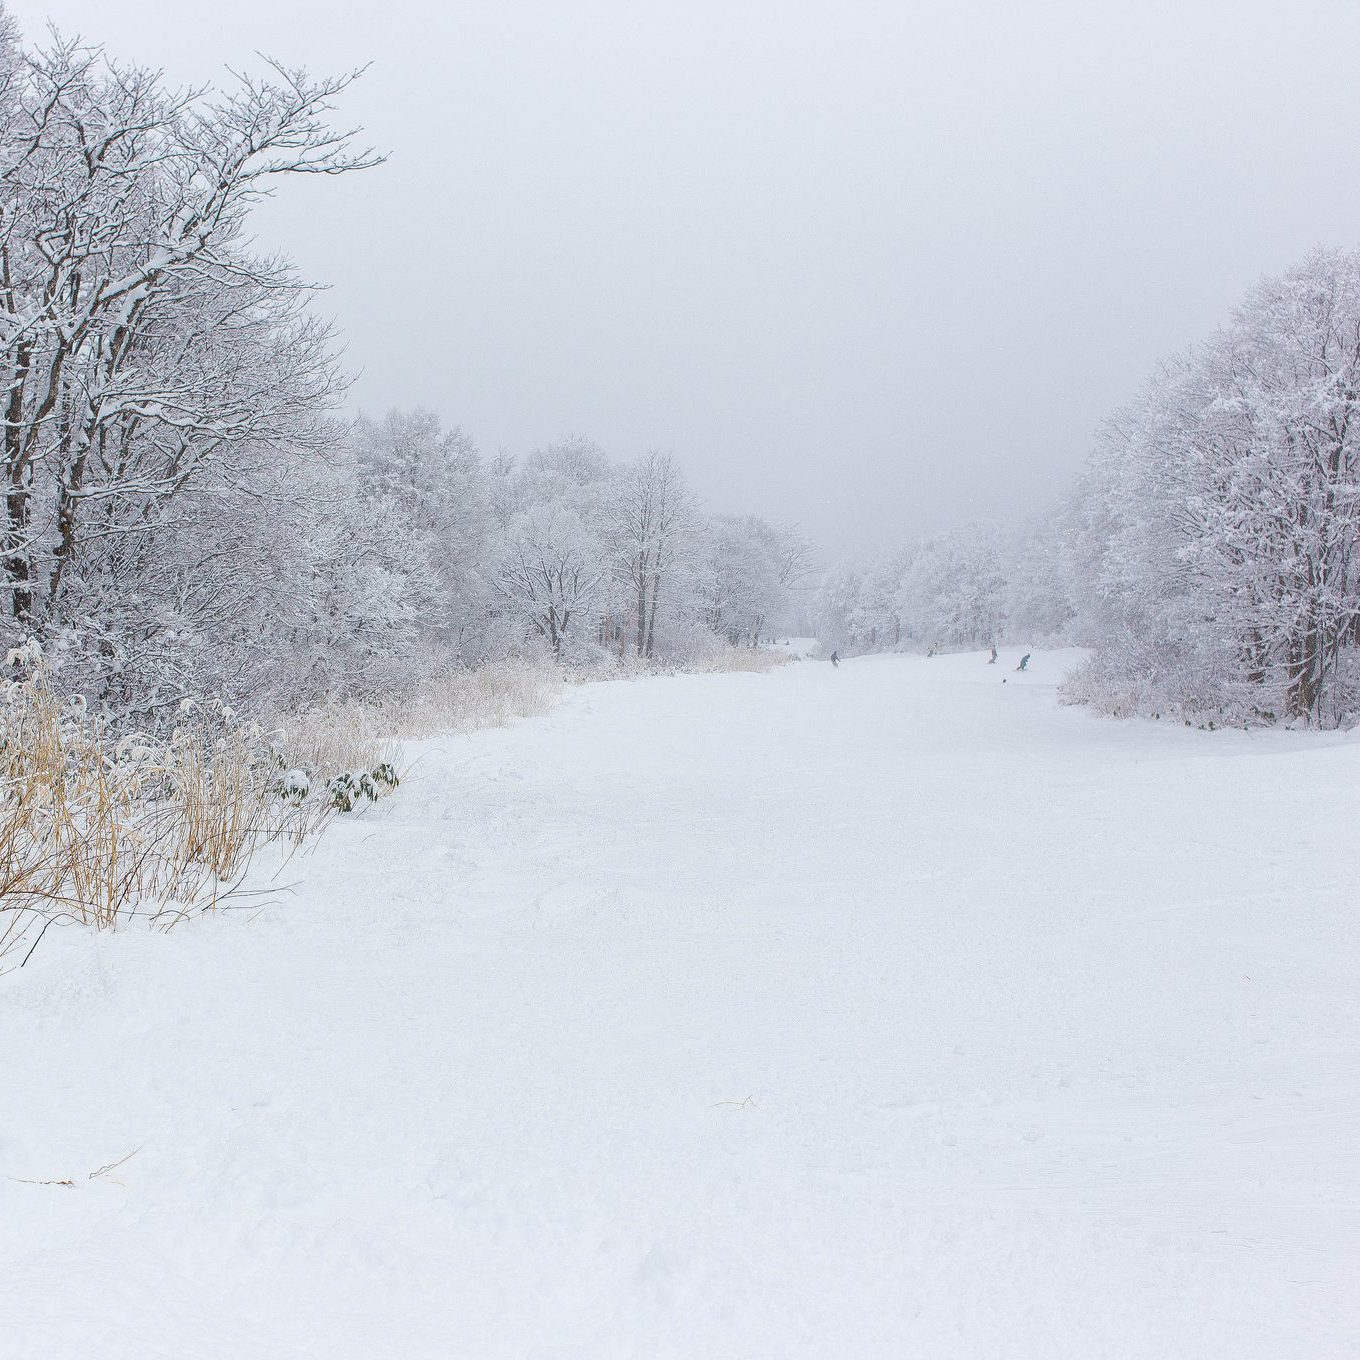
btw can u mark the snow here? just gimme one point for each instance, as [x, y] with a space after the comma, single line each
[876, 1012]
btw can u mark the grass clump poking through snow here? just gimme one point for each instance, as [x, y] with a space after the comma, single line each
[732, 659]
[341, 744]
[96, 828]
[723, 659]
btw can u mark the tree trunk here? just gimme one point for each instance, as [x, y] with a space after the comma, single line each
[651, 620]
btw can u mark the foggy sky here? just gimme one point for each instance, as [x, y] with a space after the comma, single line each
[875, 268]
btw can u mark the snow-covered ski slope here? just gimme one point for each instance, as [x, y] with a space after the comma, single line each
[891, 1011]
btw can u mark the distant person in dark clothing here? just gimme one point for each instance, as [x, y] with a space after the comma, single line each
[835, 659]
[1024, 662]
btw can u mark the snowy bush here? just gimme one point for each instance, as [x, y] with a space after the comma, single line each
[294, 787]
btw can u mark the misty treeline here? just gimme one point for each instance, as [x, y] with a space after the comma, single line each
[596, 561]
[1210, 550]
[185, 516]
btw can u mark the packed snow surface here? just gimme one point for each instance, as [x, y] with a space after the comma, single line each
[888, 1011]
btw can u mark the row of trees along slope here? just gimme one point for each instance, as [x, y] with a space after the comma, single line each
[184, 513]
[1210, 551]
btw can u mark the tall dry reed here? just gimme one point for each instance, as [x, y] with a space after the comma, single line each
[362, 734]
[96, 829]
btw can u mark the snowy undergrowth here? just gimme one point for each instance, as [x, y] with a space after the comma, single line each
[732, 660]
[362, 733]
[99, 827]
[722, 659]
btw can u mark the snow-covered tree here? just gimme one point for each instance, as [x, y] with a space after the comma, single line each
[147, 355]
[1041, 571]
[553, 556]
[754, 568]
[438, 490]
[837, 610]
[878, 618]
[655, 536]
[140, 340]
[952, 592]
[1230, 576]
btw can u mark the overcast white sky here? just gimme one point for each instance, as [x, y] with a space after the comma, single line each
[872, 267]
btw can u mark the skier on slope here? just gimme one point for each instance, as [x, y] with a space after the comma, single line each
[835, 659]
[1024, 662]
[991, 660]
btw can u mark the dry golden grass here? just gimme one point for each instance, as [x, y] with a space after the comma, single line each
[344, 735]
[757, 660]
[723, 659]
[95, 830]
[360, 735]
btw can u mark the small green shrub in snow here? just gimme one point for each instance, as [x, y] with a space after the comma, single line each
[342, 792]
[294, 787]
[345, 791]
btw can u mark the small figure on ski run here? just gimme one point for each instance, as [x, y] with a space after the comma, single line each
[991, 660]
[835, 659]
[1024, 662]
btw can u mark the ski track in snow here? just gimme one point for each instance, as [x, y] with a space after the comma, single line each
[882, 1012]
